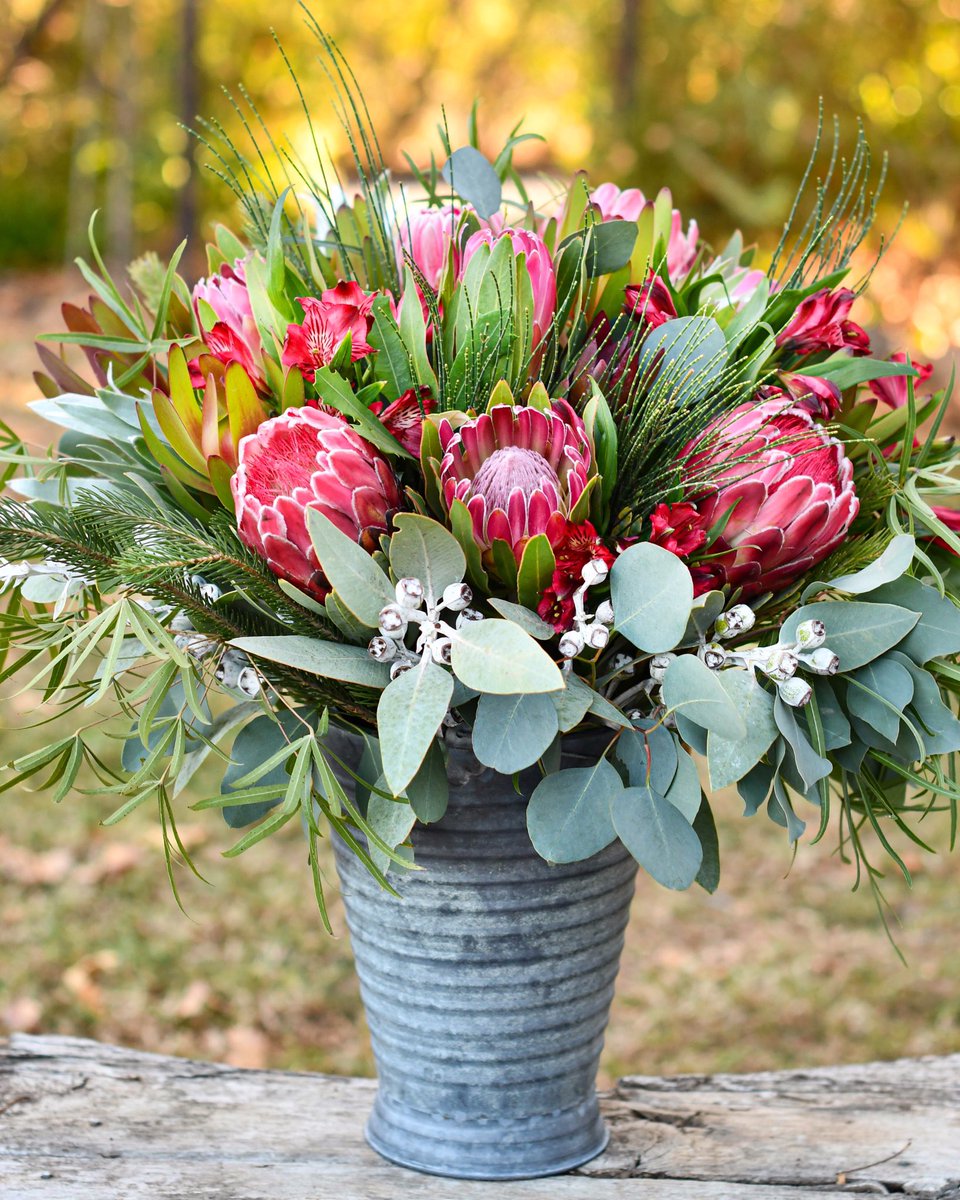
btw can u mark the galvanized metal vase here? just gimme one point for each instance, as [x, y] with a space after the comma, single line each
[487, 989]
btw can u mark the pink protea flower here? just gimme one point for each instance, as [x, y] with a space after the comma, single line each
[892, 389]
[427, 236]
[404, 417]
[342, 310]
[822, 322]
[786, 485]
[627, 204]
[539, 266]
[519, 471]
[234, 337]
[307, 459]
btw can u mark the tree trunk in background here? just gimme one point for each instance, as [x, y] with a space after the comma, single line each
[82, 184]
[122, 84]
[188, 87]
[626, 65]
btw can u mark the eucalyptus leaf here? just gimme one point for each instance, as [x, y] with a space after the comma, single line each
[474, 179]
[568, 817]
[890, 690]
[390, 820]
[857, 631]
[498, 657]
[889, 566]
[572, 703]
[690, 688]
[658, 836]
[755, 787]
[409, 714]
[684, 792]
[652, 594]
[939, 726]
[512, 732]
[359, 583]
[729, 759]
[649, 753]
[423, 549]
[528, 620]
[254, 744]
[705, 828]
[689, 355]
[429, 790]
[937, 630]
[836, 727]
[810, 766]
[333, 660]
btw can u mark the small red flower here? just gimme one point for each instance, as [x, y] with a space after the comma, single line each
[578, 545]
[340, 311]
[404, 417]
[227, 346]
[821, 322]
[820, 397]
[650, 302]
[676, 527]
[892, 389]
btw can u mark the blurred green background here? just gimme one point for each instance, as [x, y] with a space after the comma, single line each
[719, 102]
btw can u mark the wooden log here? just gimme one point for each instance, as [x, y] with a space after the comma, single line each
[83, 1121]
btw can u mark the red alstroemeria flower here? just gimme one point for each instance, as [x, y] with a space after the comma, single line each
[650, 302]
[578, 545]
[893, 389]
[345, 309]
[404, 417]
[676, 527]
[822, 322]
[820, 397]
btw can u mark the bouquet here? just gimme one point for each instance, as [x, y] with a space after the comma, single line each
[446, 467]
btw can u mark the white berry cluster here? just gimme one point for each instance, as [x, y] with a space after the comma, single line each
[588, 632]
[434, 633]
[780, 663]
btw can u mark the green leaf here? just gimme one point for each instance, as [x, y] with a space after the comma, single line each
[609, 246]
[359, 583]
[512, 732]
[349, 664]
[810, 766]
[649, 754]
[888, 567]
[391, 821]
[256, 743]
[847, 372]
[729, 759]
[423, 549]
[684, 792]
[652, 594]
[473, 178]
[568, 817]
[705, 828]
[572, 703]
[528, 621]
[857, 631]
[334, 390]
[892, 687]
[938, 725]
[429, 790]
[937, 630]
[694, 691]
[413, 330]
[689, 355]
[658, 836]
[409, 714]
[836, 727]
[536, 569]
[497, 656]
[393, 364]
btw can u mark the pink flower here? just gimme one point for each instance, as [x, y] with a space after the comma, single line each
[785, 488]
[892, 389]
[629, 203]
[650, 302]
[614, 202]
[306, 459]
[539, 267]
[340, 311]
[404, 417]
[821, 323]
[427, 236]
[819, 397]
[234, 336]
[519, 471]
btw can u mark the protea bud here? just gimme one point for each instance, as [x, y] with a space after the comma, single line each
[736, 620]
[539, 267]
[795, 692]
[519, 471]
[393, 621]
[456, 597]
[307, 459]
[409, 593]
[428, 235]
[712, 655]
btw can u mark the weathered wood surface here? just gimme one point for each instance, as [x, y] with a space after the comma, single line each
[82, 1121]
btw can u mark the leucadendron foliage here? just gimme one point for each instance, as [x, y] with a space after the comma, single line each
[482, 473]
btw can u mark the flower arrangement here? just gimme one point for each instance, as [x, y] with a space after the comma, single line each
[462, 468]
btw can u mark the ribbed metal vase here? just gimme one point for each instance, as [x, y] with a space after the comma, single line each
[487, 989]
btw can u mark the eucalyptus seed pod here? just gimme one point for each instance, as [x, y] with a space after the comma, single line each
[409, 593]
[595, 571]
[231, 665]
[658, 666]
[713, 655]
[382, 649]
[181, 623]
[780, 664]
[442, 651]
[571, 643]
[821, 661]
[468, 615]
[393, 622]
[457, 596]
[623, 664]
[811, 634]
[605, 613]
[197, 645]
[795, 692]
[736, 620]
[596, 636]
[398, 668]
[249, 682]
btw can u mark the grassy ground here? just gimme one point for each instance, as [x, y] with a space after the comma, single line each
[783, 967]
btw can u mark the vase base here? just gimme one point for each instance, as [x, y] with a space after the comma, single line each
[547, 1144]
